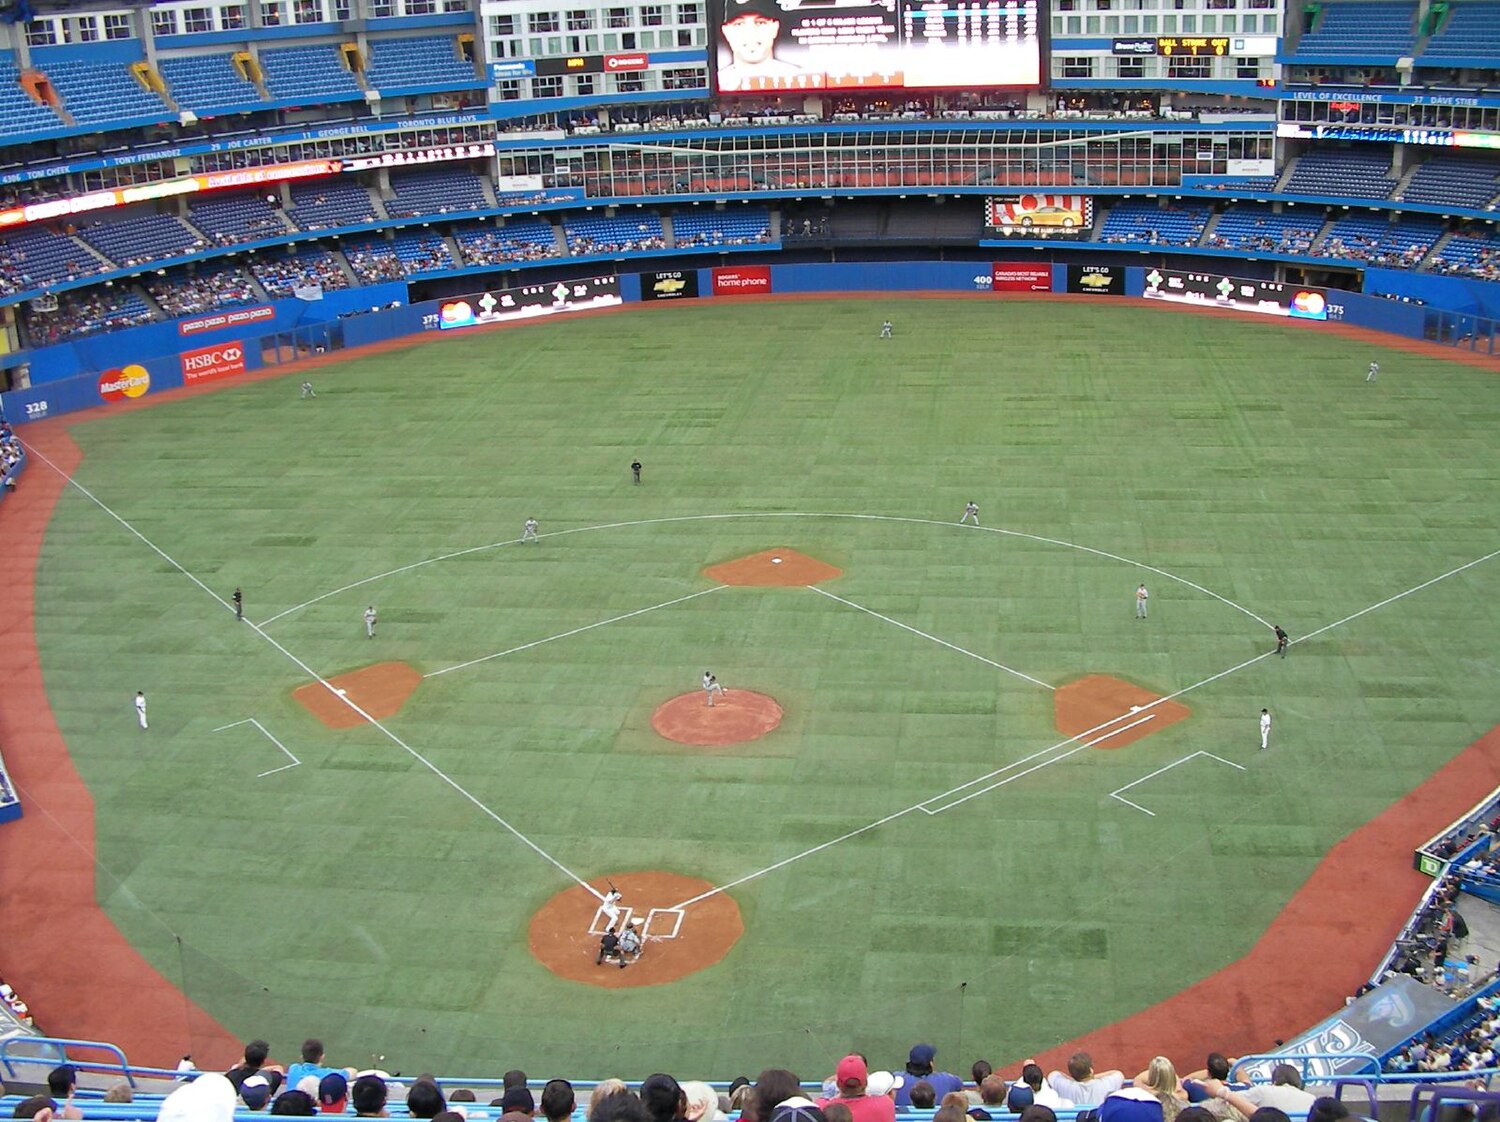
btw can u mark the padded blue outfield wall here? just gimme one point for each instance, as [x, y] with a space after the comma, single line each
[66, 377]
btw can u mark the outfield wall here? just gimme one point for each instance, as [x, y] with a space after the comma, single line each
[217, 346]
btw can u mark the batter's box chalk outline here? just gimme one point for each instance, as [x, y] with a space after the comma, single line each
[600, 923]
[1115, 794]
[267, 734]
[653, 924]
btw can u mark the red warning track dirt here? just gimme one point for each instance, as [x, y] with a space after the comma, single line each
[380, 690]
[559, 932]
[738, 716]
[773, 568]
[1100, 706]
[62, 953]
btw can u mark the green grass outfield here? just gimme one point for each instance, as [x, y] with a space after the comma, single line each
[359, 898]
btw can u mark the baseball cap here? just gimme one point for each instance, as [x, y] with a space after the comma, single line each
[883, 1083]
[851, 1070]
[255, 1092]
[797, 1110]
[518, 1098]
[922, 1054]
[333, 1089]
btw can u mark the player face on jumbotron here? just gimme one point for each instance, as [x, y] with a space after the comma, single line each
[751, 37]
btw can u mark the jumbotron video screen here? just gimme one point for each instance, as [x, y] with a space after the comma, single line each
[766, 46]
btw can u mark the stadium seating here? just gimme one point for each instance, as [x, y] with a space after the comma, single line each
[1475, 255]
[204, 83]
[282, 273]
[1374, 239]
[330, 205]
[416, 193]
[1149, 224]
[409, 62]
[1461, 181]
[1254, 227]
[310, 74]
[741, 226]
[143, 239]
[86, 313]
[18, 113]
[225, 219]
[629, 233]
[422, 251]
[93, 92]
[1355, 174]
[518, 240]
[1472, 31]
[37, 258]
[373, 259]
[188, 294]
[1362, 28]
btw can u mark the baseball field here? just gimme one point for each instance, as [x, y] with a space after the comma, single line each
[936, 841]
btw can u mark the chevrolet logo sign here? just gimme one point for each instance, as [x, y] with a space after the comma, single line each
[669, 284]
[1094, 280]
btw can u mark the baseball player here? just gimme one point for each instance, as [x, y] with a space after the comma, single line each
[140, 707]
[1141, 596]
[1374, 372]
[1265, 729]
[635, 469]
[239, 604]
[308, 391]
[971, 510]
[609, 947]
[370, 620]
[1281, 641]
[711, 686]
[630, 942]
[528, 531]
[610, 906]
[885, 330]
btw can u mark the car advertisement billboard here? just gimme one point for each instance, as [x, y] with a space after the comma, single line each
[675, 284]
[1096, 280]
[1039, 215]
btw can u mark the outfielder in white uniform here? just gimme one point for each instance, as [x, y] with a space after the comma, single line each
[1374, 372]
[1141, 597]
[370, 620]
[971, 510]
[528, 531]
[711, 686]
[1265, 729]
[885, 330]
[140, 707]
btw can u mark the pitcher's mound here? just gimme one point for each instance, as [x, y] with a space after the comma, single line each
[785, 568]
[738, 716]
[380, 690]
[1110, 713]
[564, 933]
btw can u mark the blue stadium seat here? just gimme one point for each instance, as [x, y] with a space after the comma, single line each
[86, 313]
[328, 205]
[1375, 240]
[186, 294]
[204, 83]
[95, 92]
[37, 258]
[427, 61]
[282, 273]
[1149, 224]
[1472, 31]
[1363, 28]
[20, 115]
[524, 239]
[1356, 174]
[434, 191]
[628, 233]
[1470, 254]
[226, 219]
[1462, 181]
[741, 226]
[308, 74]
[142, 239]
[1256, 227]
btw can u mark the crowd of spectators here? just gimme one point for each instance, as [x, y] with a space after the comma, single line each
[282, 276]
[85, 312]
[373, 263]
[717, 238]
[495, 247]
[189, 294]
[1362, 247]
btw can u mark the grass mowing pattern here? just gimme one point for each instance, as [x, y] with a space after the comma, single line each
[359, 899]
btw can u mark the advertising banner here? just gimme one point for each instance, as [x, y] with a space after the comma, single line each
[1019, 276]
[222, 360]
[677, 284]
[529, 302]
[740, 280]
[234, 317]
[1211, 289]
[1096, 280]
[127, 381]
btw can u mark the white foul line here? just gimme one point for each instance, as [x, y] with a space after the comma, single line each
[267, 734]
[327, 685]
[934, 638]
[1115, 794]
[575, 631]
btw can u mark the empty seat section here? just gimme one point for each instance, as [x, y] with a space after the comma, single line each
[206, 82]
[425, 61]
[1363, 175]
[1387, 30]
[1454, 181]
[37, 258]
[741, 226]
[20, 115]
[416, 193]
[328, 205]
[142, 239]
[102, 91]
[1472, 30]
[1150, 224]
[309, 74]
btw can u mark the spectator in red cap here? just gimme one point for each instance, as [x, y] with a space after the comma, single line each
[852, 1076]
[333, 1093]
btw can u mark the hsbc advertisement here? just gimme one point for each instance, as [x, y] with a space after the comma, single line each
[742, 280]
[209, 363]
[1017, 276]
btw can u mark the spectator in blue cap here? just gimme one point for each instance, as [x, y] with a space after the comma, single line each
[919, 1067]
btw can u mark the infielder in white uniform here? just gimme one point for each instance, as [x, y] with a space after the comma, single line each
[1141, 596]
[370, 621]
[140, 707]
[971, 510]
[1265, 729]
[528, 531]
[711, 686]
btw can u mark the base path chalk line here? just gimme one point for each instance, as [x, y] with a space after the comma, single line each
[679, 518]
[575, 631]
[327, 685]
[934, 638]
[267, 734]
[1144, 708]
[1115, 794]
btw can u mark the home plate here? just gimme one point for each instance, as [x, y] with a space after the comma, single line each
[776, 560]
